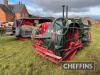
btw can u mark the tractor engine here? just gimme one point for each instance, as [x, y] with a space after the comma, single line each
[62, 39]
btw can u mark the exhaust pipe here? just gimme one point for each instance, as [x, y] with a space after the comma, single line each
[63, 6]
[67, 11]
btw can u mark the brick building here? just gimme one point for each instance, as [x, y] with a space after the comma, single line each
[9, 12]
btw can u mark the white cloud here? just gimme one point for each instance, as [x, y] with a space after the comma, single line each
[53, 7]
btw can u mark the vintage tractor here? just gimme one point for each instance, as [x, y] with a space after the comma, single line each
[62, 39]
[23, 27]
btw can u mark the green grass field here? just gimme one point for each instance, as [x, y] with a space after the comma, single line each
[17, 58]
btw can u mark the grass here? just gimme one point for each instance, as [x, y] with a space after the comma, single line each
[17, 58]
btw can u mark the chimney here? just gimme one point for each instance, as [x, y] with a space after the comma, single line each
[19, 2]
[5, 2]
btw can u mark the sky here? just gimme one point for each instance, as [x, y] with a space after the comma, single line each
[90, 8]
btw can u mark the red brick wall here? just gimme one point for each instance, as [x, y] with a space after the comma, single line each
[5, 18]
[2, 16]
[17, 15]
[10, 18]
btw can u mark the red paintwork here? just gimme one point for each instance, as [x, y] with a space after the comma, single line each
[44, 27]
[50, 55]
[27, 23]
[71, 48]
[23, 39]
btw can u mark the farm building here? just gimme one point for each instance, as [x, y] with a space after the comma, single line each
[9, 12]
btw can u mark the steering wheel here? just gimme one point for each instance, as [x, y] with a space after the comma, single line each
[62, 23]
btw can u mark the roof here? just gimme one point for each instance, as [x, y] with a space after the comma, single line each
[40, 19]
[16, 8]
[10, 9]
[6, 9]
